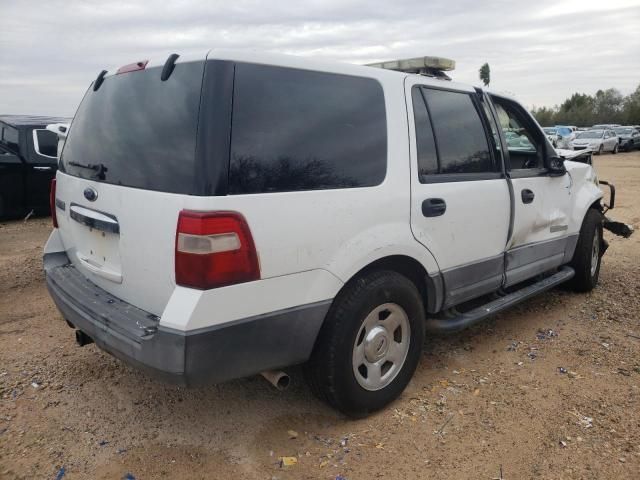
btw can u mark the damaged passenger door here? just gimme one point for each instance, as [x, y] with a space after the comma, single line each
[541, 197]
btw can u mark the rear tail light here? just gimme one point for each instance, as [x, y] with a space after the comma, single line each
[52, 203]
[214, 249]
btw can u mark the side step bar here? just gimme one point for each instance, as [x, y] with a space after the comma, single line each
[464, 320]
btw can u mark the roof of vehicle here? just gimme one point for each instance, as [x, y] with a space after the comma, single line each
[294, 61]
[31, 120]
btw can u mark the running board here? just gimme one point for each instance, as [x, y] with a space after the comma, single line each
[463, 320]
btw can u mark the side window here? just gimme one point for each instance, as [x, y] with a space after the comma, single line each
[460, 136]
[45, 143]
[523, 138]
[426, 146]
[9, 138]
[303, 130]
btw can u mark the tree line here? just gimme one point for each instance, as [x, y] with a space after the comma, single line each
[582, 110]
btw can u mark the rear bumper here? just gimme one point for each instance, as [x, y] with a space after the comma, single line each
[208, 355]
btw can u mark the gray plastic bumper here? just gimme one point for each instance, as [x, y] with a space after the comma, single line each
[222, 352]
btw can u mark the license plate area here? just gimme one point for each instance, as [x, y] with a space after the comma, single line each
[97, 238]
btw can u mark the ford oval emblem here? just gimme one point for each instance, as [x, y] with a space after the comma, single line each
[90, 194]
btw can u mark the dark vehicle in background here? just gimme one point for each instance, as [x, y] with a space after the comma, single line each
[629, 138]
[28, 162]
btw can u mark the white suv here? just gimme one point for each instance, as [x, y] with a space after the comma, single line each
[223, 216]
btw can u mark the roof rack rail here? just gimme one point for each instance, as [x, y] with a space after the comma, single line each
[429, 66]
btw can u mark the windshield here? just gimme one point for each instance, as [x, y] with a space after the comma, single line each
[564, 131]
[591, 134]
[549, 131]
[623, 131]
[138, 130]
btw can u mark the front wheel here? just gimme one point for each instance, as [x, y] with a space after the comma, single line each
[615, 149]
[369, 345]
[587, 257]
[600, 150]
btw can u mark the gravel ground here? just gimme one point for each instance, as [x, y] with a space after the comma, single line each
[489, 403]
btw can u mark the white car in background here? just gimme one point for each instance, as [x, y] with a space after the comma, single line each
[598, 141]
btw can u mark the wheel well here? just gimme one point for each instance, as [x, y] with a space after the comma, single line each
[597, 205]
[414, 271]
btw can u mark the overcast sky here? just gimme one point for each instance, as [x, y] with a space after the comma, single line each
[540, 51]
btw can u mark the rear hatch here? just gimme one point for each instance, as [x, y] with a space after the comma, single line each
[127, 168]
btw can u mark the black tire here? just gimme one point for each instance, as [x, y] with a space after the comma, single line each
[330, 371]
[615, 149]
[600, 150]
[586, 277]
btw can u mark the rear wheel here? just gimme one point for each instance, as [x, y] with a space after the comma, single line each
[587, 257]
[370, 344]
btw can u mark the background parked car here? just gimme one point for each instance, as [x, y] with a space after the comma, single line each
[604, 126]
[565, 135]
[629, 138]
[28, 162]
[552, 135]
[597, 140]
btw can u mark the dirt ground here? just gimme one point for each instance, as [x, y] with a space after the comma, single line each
[489, 403]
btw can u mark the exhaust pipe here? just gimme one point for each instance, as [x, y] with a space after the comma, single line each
[277, 378]
[82, 338]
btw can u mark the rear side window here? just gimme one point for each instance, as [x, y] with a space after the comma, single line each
[426, 146]
[303, 130]
[139, 131]
[460, 135]
[45, 143]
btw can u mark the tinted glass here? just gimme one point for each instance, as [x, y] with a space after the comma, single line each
[462, 143]
[47, 143]
[426, 148]
[10, 137]
[301, 130]
[138, 131]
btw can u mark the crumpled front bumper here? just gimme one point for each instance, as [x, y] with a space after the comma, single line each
[617, 228]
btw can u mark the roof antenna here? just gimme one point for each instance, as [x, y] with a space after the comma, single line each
[169, 65]
[98, 81]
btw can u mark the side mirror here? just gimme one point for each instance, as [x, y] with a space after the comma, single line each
[556, 167]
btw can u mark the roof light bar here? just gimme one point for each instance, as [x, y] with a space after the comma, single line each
[431, 66]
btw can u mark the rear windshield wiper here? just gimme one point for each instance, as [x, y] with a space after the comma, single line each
[98, 167]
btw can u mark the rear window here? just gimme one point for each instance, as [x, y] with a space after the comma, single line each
[138, 131]
[303, 130]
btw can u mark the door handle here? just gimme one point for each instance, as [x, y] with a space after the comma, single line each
[527, 196]
[43, 168]
[433, 207]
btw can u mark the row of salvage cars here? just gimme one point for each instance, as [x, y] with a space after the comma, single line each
[598, 139]
[29, 147]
